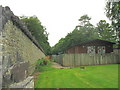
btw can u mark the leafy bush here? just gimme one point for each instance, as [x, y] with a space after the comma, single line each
[42, 64]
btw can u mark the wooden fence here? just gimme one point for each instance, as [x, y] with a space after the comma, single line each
[116, 51]
[74, 60]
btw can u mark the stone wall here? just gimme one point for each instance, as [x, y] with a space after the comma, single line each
[0, 48]
[19, 50]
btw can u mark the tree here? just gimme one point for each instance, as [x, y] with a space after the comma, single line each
[105, 31]
[86, 29]
[113, 13]
[83, 32]
[38, 31]
[84, 20]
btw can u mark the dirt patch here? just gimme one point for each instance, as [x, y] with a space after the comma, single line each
[56, 65]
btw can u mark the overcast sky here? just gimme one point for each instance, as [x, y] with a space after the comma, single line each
[58, 16]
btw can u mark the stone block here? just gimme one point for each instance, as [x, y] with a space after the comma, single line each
[27, 83]
[30, 84]
[19, 72]
[0, 18]
[0, 86]
[0, 59]
[0, 78]
[0, 47]
[15, 74]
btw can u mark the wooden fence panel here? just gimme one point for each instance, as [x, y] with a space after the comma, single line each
[119, 58]
[77, 60]
[66, 60]
[81, 59]
[63, 60]
[74, 60]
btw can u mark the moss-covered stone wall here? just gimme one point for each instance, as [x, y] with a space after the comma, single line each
[18, 47]
[19, 51]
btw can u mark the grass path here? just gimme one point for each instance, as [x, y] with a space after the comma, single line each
[99, 76]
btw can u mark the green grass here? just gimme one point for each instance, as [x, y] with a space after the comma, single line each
[45, 68]
[100, 76]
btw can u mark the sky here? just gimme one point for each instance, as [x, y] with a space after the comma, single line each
[58, 16]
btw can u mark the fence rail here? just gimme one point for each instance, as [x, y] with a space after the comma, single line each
[74, 60]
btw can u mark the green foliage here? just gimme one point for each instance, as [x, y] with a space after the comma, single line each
[42, 65]
[106, 31]
[99, 76]
[113, 13]
[38, 31]
[84, 20]
[43, 62]
[83, 32]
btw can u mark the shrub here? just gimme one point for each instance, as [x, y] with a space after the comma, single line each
[42, 65]
[43, 62]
